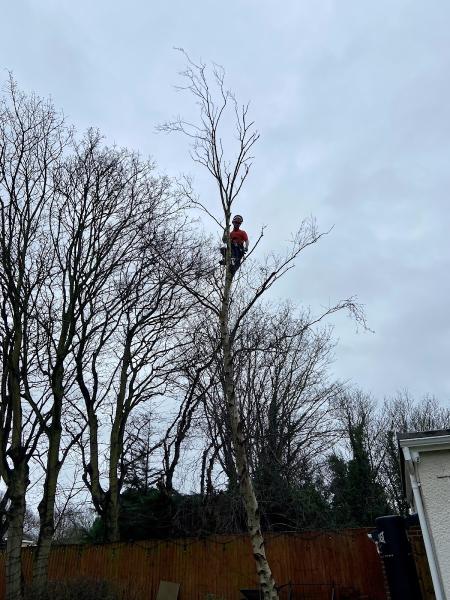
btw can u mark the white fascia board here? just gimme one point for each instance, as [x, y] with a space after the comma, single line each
[424, 444]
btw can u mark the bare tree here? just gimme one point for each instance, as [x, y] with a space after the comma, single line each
[32, 140]
[210, 150]
[401, 414]
[79, 283]
[284, 402]
[74, 516]
[131, 335]
[356, 409]
[284, 393]
[191, 389]
[100, 197]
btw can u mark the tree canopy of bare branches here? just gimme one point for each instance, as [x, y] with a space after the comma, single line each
[228, 159]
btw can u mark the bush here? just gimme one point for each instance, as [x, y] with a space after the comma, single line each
[79, 589]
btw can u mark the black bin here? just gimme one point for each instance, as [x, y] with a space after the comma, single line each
[395, 551]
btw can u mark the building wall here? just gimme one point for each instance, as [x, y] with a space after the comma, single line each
[434, 475]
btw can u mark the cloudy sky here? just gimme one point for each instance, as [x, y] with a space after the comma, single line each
[352, 99]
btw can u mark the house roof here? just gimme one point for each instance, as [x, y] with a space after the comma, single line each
[417, 435]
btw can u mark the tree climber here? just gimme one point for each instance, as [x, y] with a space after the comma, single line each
[238, 242]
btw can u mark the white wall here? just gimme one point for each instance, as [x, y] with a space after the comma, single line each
[434, 476]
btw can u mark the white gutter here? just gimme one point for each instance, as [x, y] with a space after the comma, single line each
[415, 486]
[423, 443]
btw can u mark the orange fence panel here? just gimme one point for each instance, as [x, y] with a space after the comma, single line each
[219, 566]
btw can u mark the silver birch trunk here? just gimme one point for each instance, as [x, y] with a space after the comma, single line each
[247, 492]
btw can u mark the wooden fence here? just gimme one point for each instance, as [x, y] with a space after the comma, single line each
[421, 561]
[218, 567]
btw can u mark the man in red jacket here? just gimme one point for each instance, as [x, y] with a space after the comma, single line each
[239, 244]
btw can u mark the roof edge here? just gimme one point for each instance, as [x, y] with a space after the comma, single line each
[424, 442]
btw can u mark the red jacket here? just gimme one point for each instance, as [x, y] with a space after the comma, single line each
[238, 236]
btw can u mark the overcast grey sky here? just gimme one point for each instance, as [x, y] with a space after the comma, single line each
[352, 99]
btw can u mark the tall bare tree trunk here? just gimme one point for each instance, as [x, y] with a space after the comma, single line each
[264, 572]
[18, 475]
[112, 497]
[46, 511]
[111, 500]
[18, 486]
[46, 506]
